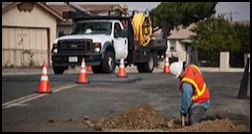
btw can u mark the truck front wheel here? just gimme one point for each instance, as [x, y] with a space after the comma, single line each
[58, 70]
[108, 63]
[97, 69]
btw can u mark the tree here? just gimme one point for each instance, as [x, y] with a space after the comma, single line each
[217, 34]
[243, 45]
[168, 15]
[243, 36]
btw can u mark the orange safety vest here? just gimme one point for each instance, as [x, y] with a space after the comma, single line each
[194, 77]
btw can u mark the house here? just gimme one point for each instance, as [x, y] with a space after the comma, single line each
[28, 32]
[242, 22]
[178, 44]
[66, 26]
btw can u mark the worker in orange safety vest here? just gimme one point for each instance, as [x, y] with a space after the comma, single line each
[194, 91]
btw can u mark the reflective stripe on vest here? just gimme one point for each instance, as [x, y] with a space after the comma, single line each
[196, 68]
[199, 93]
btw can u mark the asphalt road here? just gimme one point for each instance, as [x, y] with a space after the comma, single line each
[107, 95]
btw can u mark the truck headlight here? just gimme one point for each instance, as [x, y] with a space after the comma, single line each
[55, 50]
[97, 46]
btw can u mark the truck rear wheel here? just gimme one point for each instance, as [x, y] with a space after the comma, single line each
[108, 63]
[146, 67]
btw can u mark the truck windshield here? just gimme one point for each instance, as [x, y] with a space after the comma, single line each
[92, 28]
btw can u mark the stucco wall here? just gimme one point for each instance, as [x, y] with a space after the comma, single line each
[180, 50]
[38, 17]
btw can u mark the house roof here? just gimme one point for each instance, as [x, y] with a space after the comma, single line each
[185, 33]
[92, 8]
[61, 8]
[243, 22]
[157, 34]
[4, 4]
[181, 33]
[8, 5]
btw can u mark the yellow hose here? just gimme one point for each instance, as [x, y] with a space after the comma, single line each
[142, 28]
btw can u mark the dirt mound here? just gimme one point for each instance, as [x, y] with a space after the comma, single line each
[223, 125]
[144, 118]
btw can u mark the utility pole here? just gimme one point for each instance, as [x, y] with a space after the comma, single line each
[230, 15]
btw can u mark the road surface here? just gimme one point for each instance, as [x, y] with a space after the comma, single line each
[107, 95]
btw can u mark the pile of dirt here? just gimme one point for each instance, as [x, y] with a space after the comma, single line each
[145, 118]
[223, 125]
[142, 117]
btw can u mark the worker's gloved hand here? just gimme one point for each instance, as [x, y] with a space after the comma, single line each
[182, 113]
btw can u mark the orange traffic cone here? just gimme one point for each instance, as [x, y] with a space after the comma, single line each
[121, 72]
[44, 86]
[83, 78]
[89, 68]
[166, 65]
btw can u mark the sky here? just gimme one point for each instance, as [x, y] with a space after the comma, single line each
[241, 10]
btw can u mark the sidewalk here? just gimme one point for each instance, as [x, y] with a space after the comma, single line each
[32, 71]
[37, 71]
[159, 69]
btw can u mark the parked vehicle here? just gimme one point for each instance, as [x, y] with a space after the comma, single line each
[103, 40]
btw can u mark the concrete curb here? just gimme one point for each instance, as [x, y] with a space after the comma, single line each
[37, 71]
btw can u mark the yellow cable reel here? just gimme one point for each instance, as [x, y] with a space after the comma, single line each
[142, 26]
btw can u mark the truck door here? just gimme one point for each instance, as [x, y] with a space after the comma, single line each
[120, 44]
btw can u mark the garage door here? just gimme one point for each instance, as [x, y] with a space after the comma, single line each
[24, 47]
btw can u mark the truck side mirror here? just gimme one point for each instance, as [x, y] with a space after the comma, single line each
[123, 33]
[61, 33]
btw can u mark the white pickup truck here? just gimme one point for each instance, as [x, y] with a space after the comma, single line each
[102, 41]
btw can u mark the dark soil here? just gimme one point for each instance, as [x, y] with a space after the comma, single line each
[145, 119]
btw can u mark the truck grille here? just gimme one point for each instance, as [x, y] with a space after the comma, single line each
[75, 46]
